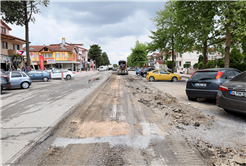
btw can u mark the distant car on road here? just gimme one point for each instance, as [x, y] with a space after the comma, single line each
[182, 71]
[39, 75]
[103, 68]
[205, 83]
[114, 68]
[50, 69]
[66, 74]
[232, 94]
[19, 79]
[5, 84]
[162, 74]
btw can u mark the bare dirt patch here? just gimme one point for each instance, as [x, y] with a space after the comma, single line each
[95, 129]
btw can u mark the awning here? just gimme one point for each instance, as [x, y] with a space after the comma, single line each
[67, 62]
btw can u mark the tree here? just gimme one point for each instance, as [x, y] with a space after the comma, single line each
[151, 58]
[95, 53]
[21, 13]
[129, 61]
[105, 58]
[164, 38]
[232, 18]
[236, 56]
[115, 65]
[139, 54]
[199, 23]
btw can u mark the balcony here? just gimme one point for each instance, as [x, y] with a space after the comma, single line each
[12, 52]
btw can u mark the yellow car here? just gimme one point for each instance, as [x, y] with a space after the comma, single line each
[162, 74]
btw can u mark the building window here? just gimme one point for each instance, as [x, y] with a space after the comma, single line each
[5, 45]
[45, 49]
[63, 55]
[44, 55]
[17, 47]
[49, 55]
[58, 55]
[13, 46]
[3, 30]
[187, 62]
[180, 55]
[197, 52]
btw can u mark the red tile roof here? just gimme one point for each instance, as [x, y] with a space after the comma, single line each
[12, 37]
[52, 48]
[159, 61]
[5, 25]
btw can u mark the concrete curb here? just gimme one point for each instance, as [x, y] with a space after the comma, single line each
[47, 132]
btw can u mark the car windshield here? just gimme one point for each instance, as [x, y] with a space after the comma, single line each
[240, 78]
[204, 75]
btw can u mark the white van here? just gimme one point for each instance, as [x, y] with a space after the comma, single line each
[103, 68]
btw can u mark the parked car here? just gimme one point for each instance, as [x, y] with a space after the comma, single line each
[103, 68]
[39, 75]
[182, 71]
[50, 69]
[232, 94]
[66, 74]
[143, 73]
[114, 68]
[5, 83]
[138, 71]
[162, 74]
[19, 79]
[205, 83]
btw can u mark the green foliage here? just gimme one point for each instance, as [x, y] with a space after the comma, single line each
[211, 64]
[200, 65]
[115, 65]
[200, 59]
[21, 13]
[129, 61]
[164, 38]
[239, 66]
[220, 63]
[169, 64]
[105, 58]
[95, 53]
[186, 65]
[138, 56]
[151, 58]
[195, 66]
[236, 56]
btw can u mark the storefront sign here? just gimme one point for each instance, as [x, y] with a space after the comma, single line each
[34, 63]
[51, 61]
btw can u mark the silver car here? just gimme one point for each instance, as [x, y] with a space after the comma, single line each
[19, 79]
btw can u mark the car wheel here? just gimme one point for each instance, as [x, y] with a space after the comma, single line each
[192, 98]
[151, 79]
[25, 85]
[144, 75]
[45, 79]
[228, 111]
[68, 77]
[174, 79]
[138, 74]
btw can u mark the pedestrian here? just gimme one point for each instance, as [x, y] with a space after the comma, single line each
[18, 69]
[23, 69]
[27, 69]
[10, 69]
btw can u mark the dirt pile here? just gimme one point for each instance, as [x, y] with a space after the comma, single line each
[220, 156]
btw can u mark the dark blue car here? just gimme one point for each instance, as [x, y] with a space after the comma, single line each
[138, 71]
[39, 75]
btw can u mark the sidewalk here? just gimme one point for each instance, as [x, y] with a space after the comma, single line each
[184, 75]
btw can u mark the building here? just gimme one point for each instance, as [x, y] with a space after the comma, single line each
[9, 46]
[63, 55]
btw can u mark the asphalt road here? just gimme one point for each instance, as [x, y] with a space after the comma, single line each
[27, 114]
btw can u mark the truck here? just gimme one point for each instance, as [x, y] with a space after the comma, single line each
[122, 69]
[110, 67]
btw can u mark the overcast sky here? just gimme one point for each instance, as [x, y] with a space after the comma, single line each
[114, 26]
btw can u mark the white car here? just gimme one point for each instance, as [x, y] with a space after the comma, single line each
[66, 74]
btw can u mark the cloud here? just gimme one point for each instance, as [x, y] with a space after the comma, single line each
[115, 26]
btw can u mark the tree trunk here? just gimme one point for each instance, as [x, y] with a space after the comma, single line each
[228, 45]
[172, 55]
[27, 35]
[205, 58]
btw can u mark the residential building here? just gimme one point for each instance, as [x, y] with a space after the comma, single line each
[63, 55]
[9, 46]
